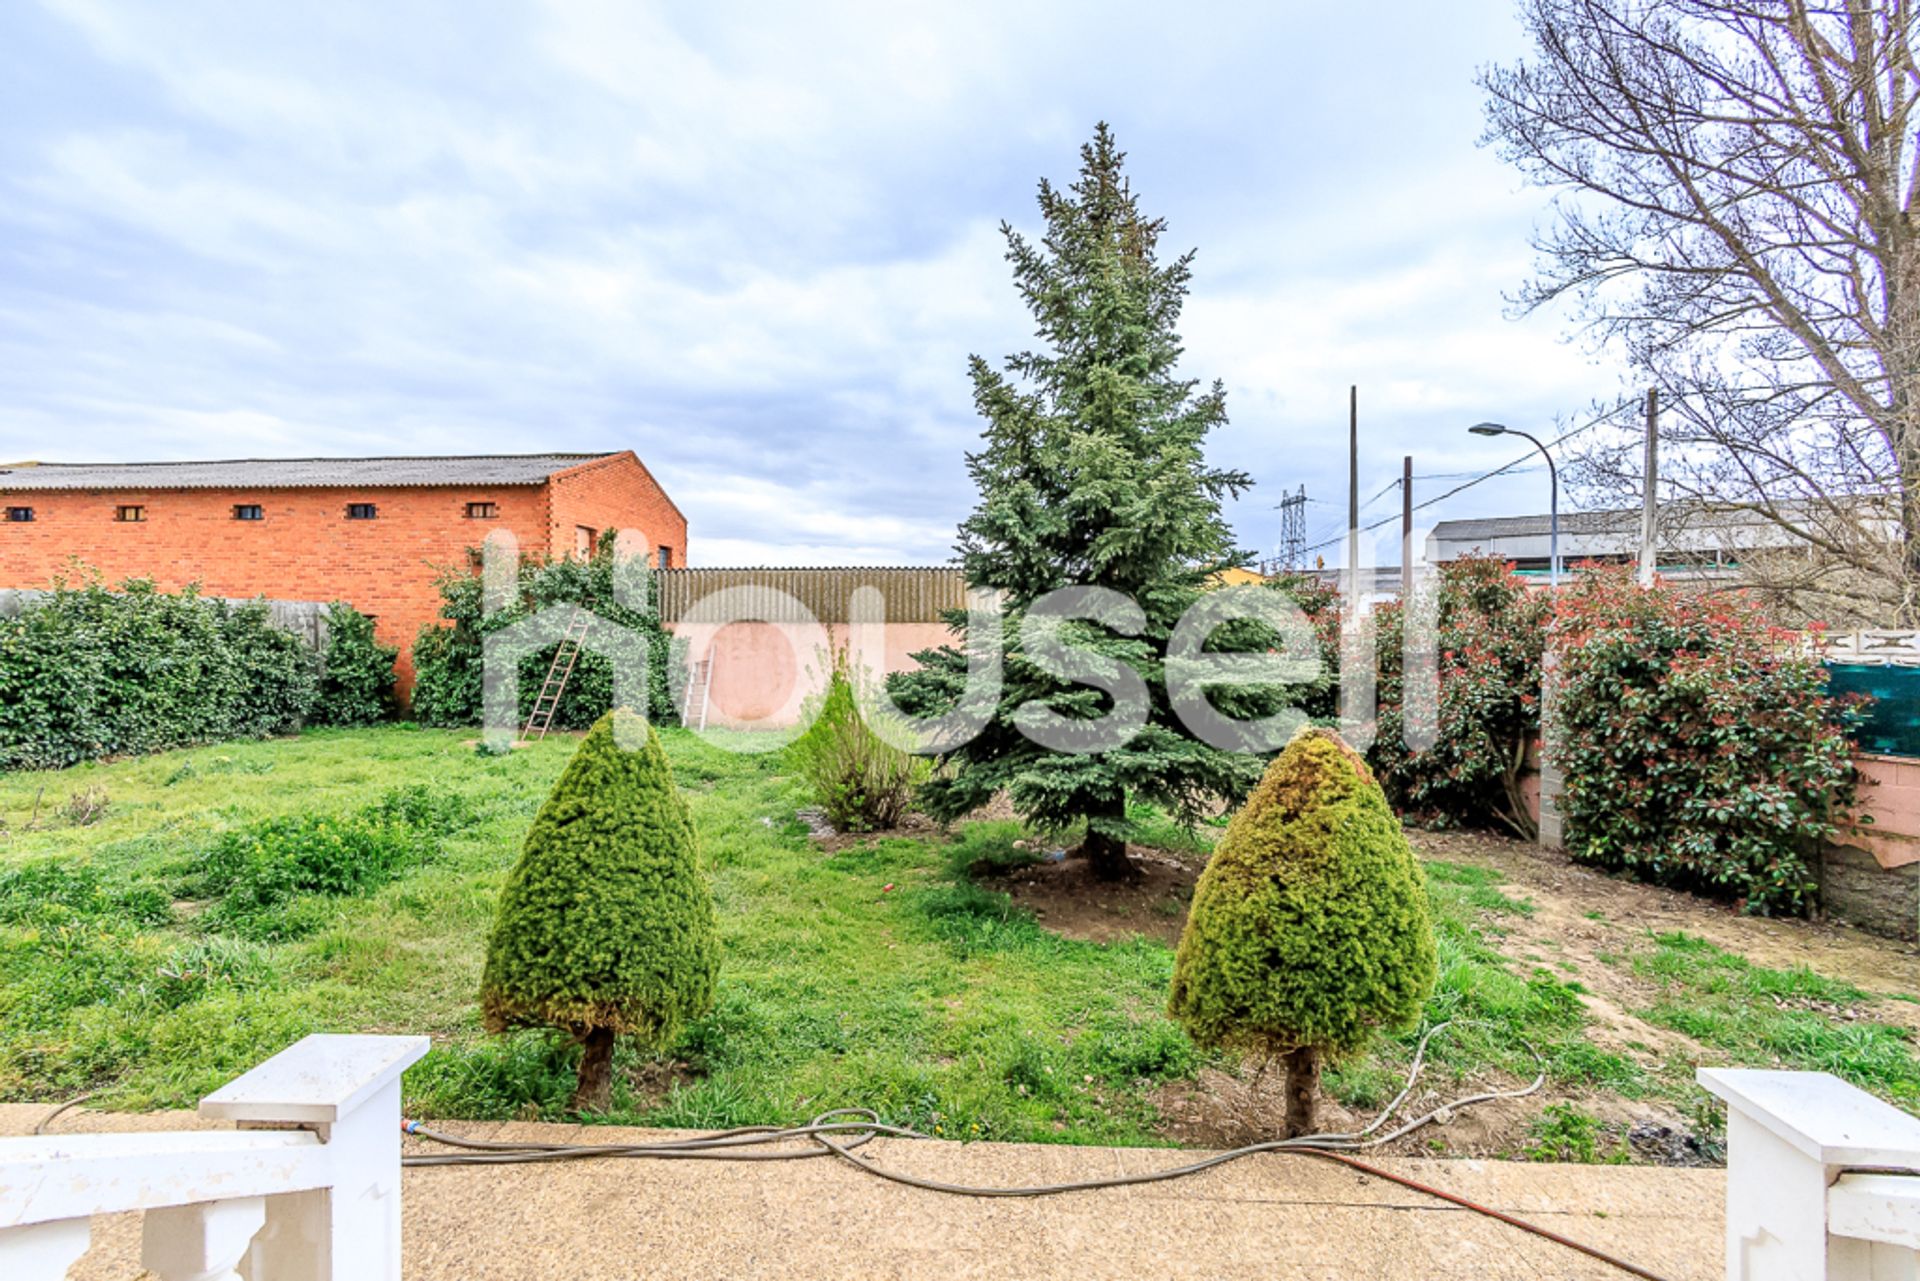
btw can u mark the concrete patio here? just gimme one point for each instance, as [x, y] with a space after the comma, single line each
[1274, 1217]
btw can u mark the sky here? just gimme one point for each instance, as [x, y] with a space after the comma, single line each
[755, 244]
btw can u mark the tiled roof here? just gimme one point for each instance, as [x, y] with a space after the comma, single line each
[293, 473]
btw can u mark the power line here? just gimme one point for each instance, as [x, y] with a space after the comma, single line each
[1386, 489]
[1512, 467]
[1462, 475]
[1337, 530]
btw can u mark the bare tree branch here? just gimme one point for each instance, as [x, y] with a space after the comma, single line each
[1734, 199]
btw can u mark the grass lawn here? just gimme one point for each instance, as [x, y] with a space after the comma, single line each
[153, 952]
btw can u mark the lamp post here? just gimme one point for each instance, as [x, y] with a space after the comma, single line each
[1553, 501]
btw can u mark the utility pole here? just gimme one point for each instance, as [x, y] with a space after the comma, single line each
[1650, 499]
[1406, 528]
[1353, 493]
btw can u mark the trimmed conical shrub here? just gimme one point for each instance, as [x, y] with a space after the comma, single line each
[1309, 930]
[606, 924]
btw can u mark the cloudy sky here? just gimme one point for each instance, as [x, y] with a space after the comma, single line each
[755, 245]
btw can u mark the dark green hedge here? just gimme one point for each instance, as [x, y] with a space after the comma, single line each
[447, 656]
[1700, 746]
[88, 672]
[356, 672]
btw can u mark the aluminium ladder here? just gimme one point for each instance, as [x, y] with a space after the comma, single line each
[700, 683]
[565, 655]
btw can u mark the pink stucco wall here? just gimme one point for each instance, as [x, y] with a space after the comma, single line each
[1891, 797]
[763, 672]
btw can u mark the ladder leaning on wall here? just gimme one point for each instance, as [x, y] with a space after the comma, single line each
[699, 693]
[565, 655]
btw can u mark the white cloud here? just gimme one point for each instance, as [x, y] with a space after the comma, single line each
[754, 243]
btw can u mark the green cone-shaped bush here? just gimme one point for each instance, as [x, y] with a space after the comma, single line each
[606, 924]
[1309, 929]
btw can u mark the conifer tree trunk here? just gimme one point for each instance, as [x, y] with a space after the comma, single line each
[1303, 1090]
[594, 1088]
[1105, 853]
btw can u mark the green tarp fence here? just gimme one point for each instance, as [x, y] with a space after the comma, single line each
[1893, 718]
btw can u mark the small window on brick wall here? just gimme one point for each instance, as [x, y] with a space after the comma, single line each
[19, 513]
[360, 511]
[583, 538]
[666, 558]
[249, 511]
[129, 513]
[482, 511]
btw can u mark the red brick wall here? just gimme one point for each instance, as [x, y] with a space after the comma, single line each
[306, 549]
[616, 493]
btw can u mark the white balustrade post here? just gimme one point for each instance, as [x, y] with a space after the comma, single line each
[346, 1089]
[43, 1251]
[1790, 1137]
[203, 1242]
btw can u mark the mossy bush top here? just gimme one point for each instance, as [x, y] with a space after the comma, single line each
[1309, 926]
[607, 920]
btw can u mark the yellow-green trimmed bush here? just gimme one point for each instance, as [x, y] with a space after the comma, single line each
[1309, 930]
[606, 924]
[860, 781]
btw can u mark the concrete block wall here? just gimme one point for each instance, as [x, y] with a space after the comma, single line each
[1870, 877]
[1553, 828]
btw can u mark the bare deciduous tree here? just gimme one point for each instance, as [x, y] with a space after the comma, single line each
[1735, 207]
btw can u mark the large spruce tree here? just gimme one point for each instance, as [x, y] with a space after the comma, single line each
[1092, 473]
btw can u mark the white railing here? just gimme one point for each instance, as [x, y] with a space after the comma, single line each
[1884, 647]
[1823, 1179]
[308, 1188]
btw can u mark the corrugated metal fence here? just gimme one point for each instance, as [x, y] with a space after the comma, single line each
[914, 594]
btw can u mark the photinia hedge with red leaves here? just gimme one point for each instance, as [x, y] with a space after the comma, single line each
[1490, 638]
[1697, 740]
[1319, 601]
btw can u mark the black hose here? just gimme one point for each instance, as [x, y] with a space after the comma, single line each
[863, 1125]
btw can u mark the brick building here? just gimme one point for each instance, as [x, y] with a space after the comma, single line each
[374, 532]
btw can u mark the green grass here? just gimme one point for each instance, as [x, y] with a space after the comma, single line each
[1563, 1132]
[1789, 1018]
[1506, 1019]
[1476, 888]
[877, 976]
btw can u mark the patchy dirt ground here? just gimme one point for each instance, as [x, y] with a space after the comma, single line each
[1066, 899]
[826, 837]
[1222, 1109]
[1579, 913]
[1581, 923]
[1062, 895]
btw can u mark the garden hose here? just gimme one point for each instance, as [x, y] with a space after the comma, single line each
[68, 1106]
[843, 1131]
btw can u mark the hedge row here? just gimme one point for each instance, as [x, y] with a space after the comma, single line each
[87, 672]
[1699, 744]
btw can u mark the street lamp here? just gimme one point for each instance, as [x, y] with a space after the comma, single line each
[1553, 502]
